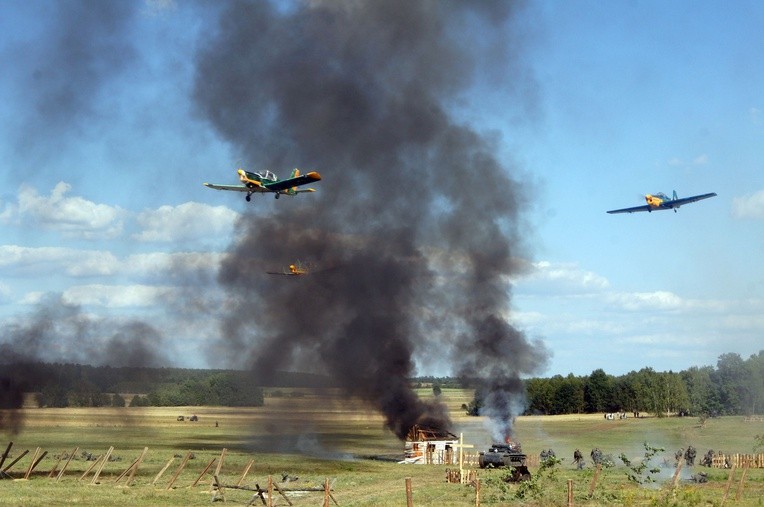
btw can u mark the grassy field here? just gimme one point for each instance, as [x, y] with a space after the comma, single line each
[316, 435]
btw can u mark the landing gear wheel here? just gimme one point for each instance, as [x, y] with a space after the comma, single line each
[248, 198]
[277, 195]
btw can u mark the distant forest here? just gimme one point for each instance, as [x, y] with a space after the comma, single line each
[734, 387]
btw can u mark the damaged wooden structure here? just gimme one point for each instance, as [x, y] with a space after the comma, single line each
[430, 446]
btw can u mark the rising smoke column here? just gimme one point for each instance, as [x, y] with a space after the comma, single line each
[57, 331]
[415, 216]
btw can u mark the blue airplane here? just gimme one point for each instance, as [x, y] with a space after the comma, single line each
[661, 201]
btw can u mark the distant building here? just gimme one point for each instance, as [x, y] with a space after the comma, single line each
[430, 446]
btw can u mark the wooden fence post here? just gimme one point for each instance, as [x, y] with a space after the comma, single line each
[594, 480]
[409, 493]
[204, 472]
[61, 473]
[162, 471]
[103, 463]
[675, 479]
[179, 470]
[35, 461]
[137, 464]
[729, 483]
[477, 492]
[742, 480]
[246, 471]
[570, 492]
[5, 454]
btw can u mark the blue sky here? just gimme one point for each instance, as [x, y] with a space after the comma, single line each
[102, 204]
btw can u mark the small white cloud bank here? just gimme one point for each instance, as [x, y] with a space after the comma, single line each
[749, 206]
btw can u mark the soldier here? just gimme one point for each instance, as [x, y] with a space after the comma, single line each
[578, 459]
[708, 459]
[596, 455]
[689, 456]
[678, 457]
[544, 455]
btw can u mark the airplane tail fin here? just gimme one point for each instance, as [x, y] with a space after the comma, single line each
[295, 172]
[675, 197]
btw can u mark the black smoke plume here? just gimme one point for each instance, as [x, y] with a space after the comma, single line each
[416, 221]
[57, 331]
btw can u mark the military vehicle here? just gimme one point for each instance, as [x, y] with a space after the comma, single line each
[506, 455]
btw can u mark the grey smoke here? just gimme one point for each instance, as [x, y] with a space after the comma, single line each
[416, 216]
[56, 331]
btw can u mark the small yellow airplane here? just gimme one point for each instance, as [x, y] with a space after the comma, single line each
[661, 201]
[296, 269]
[266, 181]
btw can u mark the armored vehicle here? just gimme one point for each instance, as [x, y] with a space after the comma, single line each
[506, 455]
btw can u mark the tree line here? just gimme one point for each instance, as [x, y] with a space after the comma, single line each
[734, 387]
[75, 385]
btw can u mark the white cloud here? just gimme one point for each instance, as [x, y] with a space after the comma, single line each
[190, 220]
[116, 296]
[172, 265]
[560, 278]
[51, 260]
[698, 160]
[642, 301]
[749, 206]
[72, 216]
[755, 113]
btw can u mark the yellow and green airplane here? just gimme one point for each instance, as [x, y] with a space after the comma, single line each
[266, 181]
[661, 201]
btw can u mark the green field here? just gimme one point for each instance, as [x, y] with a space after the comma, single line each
[315, 435]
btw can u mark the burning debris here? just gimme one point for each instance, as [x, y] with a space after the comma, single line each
[365, 93]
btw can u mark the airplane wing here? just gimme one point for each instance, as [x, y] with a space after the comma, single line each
[237, 188]
[678, 202]
[630, 210]
[277, 186]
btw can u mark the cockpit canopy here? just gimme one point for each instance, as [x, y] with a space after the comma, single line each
[266, 175]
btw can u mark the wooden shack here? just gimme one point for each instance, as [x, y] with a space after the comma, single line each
[430, 446]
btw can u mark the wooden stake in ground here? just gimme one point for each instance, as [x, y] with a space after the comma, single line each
[55, 467]
[594, 480]
[34, 464]
[162, 471]
[204, 472]
[98, 460]
[4, 475]
[409, 495]
[676, 475]
[131, 469]
[31, 463]
[179, 470]
[246, 471]
[570, 492]
[5, 454]
[729, 483]
[477, 492]
[137, 464]
[270, 491]
[63, 469]
[742, 480]
[103, 463]
[5, 470]
[220, 465]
